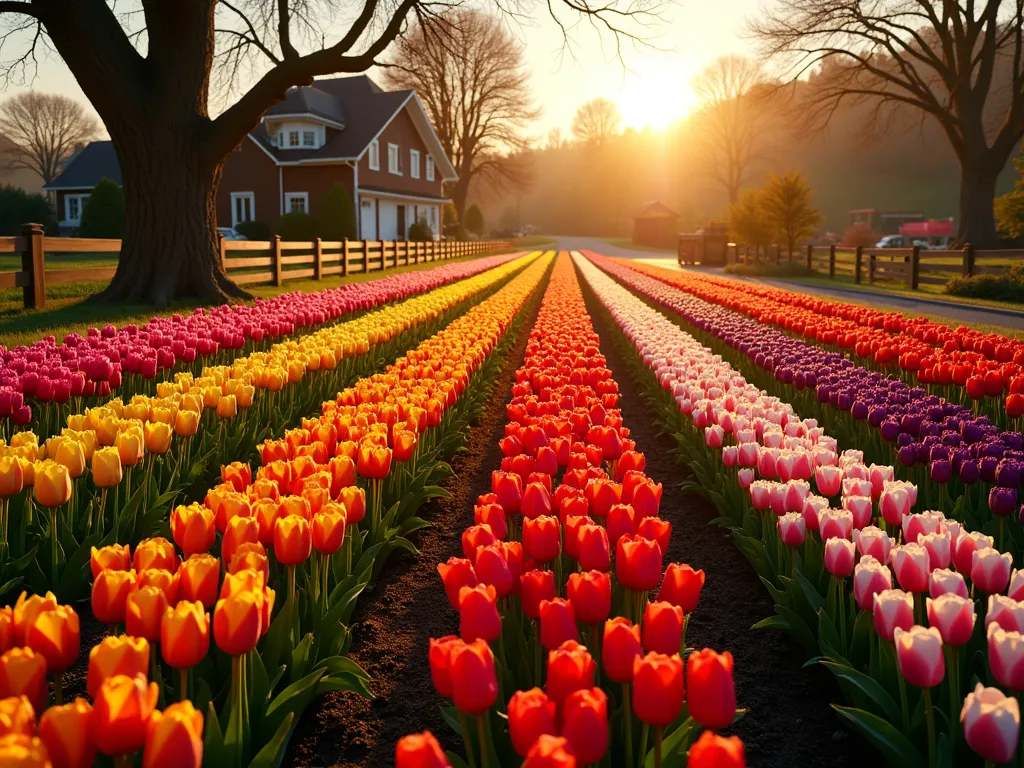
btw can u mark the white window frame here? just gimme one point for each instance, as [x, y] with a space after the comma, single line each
[303, 196]
[430, 168]
[309, 133]
[235, 196]
[394, 154]
[414, 163]
[373, 160]
[294, 133]
[82, 199]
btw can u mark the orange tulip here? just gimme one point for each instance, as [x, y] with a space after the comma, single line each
[114, 557]
[185, 634]
[71, 454]
[248, 580]
[292, 540]
[186, 423]
[55, 635]
[266, 512]
[66, 732]
[295, 505]
[251, 556]
[109, 594]
[121, 713]
[405, 444]
[17, 716]
[236, 473]
[229, 506]
[174, 738]
[106, 468]
[20, 751]
[374, 463]
[12, 479]
[27, 609]
[144, 611]
[116, 655]
[227, 407]
[23, 673]
[354, 499]
[192, 528]
[262, 488]
[237, 622]
[129, 447]
[328, 529]
[156, 553]
[198, 579]
[6, 629]
[240, 530]
[343, 473]
[52, 484]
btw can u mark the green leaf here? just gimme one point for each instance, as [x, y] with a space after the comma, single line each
[870, 689]
[274, 750]
[673, 747]
[894, 746]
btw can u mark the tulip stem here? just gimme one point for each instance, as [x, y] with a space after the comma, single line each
[955, 701]
[627, 707]
[183, 677]
[929, 712]
[58, 690]
[657, 746]
[482, 741]
[903, 704]
[467, 739]
[643, 743]
[53, 542]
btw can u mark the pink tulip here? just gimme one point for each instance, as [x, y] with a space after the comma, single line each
[943, 581]
[835, 523]
[839, 557]
[761, 494]
[1006, 657]
[792, 529]
[748, 454]
[855, 470]
[730, 455]
[803, 466]
[893, 609]
[1006, 613]
[778, 496]
[714, 436]
[1016, 589]
[922, 522]
[873, 541]
[825, 457]
[795, 493]
[745, 477]
[828, 479]
[869, 578]
[991, 723]
[855, 487]
[910, 564]
[894, 504]
[990, 570]
[766, 459]
[938, 546]
[861, 508]
[879, 475]
[812, 507]
[963, 551]
[953, 616]
[919, 654]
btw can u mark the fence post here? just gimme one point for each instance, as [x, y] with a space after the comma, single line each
[832, 260]
[32, 262]
[913, 278]
[858, 264]
[968, 260]
[810, 258]
[318, 259]
[344, 256]
[222, 252]
[871, 267]
[278, 272]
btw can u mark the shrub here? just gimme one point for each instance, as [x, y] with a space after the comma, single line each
[860, 234]
[474, 221]
[103, 215]
[253, 230]
[769, 270]
[1008, 286]
[18, 207]
[421, 231]
[335, 216]
[296, 226]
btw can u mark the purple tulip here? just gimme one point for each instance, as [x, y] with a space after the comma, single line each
[1002, 501]
[940, 471]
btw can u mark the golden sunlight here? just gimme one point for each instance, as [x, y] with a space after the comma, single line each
[654, 98]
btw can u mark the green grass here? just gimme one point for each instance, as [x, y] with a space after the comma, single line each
[625, 242]
[68, 311]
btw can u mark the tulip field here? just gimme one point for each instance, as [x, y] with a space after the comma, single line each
[512, 512]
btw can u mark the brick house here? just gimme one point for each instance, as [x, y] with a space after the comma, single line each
[379, 144]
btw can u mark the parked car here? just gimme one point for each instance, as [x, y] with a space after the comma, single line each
[893, 241]
[229, 233]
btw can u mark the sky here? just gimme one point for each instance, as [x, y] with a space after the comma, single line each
[651, 86]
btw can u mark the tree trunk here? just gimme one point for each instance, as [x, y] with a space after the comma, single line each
[977, 224]
[169, 250]
[460, 196]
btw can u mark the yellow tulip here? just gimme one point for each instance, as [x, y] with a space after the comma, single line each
[12, 478]
[71, 454]
[52, 484]
[158, 437]
[227, 407]
[130, 447]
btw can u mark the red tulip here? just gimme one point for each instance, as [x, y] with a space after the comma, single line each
[420, 750]
[536, 501]
[620, 522]
[557, 623]
[492, 568]
[714, 751]
[473, 679]
[530, 715]
[440, 663]
[657, 688]
[585, 724]
[620, 647]
[663, 628]
[537, 586]
[541, 538]
[509, 489]
[590, 593]
[712, 695]
[638, 563]
[657, 530]
[646, 499]
[494, 516]
[593, 548]
[474, 537]
[456, 574]
[478, 613]
[550, 752]
[570, 668]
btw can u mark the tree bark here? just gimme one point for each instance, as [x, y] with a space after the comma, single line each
[169, 250]
[977, 224]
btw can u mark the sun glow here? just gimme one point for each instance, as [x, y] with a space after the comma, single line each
[653, 98]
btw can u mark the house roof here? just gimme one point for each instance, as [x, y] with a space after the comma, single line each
[310, 101]
[97, 160]
[655, 210]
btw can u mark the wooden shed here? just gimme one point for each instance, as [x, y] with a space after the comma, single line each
[655, 224]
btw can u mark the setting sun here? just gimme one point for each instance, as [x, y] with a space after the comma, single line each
[653, 98]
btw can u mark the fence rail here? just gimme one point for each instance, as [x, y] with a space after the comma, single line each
[913, 267]
[268, 261]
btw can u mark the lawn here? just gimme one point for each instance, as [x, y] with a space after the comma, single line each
[625, 242]
[67, 310]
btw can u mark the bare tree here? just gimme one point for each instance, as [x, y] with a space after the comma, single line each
[596, 122]
[944, 58]
[730, 124]
[554, 139]
[470, 74]
[146, 68]
[44, 129]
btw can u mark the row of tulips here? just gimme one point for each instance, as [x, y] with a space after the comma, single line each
[963, 465]
[76, 490]
[873, 640]
[289, 531]
[43, 383]
[560, 563]
[970, 367]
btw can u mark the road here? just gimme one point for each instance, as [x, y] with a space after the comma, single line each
[962, 312]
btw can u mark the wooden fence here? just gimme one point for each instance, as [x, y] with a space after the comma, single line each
[272, 261]
[911, 267]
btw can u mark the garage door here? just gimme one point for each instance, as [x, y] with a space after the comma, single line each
[367, 220]
[388, 220]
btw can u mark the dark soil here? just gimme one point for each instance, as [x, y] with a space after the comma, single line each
[406, 607]
[790, 723]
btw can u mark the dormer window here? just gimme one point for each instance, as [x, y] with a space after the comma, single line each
[298, 135]
[309, 138]
[293, 139]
